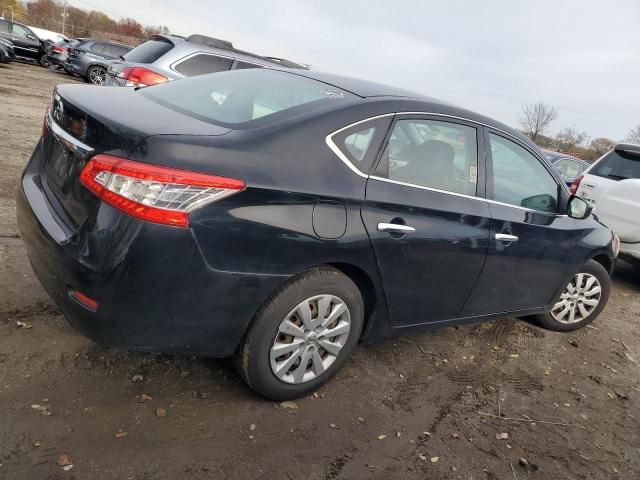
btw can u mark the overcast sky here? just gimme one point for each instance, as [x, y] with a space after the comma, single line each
[581, 56]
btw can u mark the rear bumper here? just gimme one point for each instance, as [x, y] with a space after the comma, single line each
[154, 289]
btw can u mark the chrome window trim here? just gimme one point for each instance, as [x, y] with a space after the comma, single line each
[456, 194]
[70, 142]
[336, 150]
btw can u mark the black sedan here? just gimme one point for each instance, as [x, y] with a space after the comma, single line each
[281, 216]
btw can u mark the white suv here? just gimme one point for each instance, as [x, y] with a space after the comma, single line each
[612, 186]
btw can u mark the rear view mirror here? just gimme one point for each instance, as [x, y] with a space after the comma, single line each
[31, 37]
[578, 208]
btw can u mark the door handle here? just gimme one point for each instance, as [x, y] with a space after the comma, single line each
[503, 237]
[395, 228]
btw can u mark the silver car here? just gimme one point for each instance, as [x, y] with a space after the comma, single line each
[170, 57]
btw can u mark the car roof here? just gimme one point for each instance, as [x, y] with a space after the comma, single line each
[405, 100]
[203, 43]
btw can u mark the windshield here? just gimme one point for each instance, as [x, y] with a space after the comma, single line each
[618, 166]
[245, 96]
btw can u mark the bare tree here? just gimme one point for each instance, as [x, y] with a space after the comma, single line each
[633, 136]
[601, 145]
[569, 138]
[536, 118]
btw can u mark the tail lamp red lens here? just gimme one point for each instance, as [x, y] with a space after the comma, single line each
[154, 193]
[84, 300]
[576, 183]
[141, 77]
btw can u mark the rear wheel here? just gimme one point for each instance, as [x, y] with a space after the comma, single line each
[302, 335]
[96, 75]
[583, 299]
[45, 60]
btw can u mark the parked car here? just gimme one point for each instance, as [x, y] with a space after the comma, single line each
[612, 186]
[567, 166]
[7, 53]
[91, 58]
[59, 54]
[25, 43]
[169, 57]
[51, 36]
[257, 214]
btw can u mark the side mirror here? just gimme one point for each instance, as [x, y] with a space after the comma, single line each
[31, 37]
[578, 208]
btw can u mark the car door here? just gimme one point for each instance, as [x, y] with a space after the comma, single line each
[426, 218]
[532, 239]
[26, 44]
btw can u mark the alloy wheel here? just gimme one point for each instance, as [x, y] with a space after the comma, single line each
[579, 300]
[96, 76]
[310, 338]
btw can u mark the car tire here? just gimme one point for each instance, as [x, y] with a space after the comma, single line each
[96, 75]
[45, 61]
[592, 282]
[256, 359]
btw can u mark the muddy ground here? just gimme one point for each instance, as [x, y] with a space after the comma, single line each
[422, 407]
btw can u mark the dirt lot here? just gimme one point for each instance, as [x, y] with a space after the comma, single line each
[429, 406]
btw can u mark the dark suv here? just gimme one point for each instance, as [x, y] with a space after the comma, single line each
[91, 58]
[169, 57]
[25, 43]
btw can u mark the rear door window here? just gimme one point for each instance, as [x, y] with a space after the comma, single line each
[434, 154]
[108, 50]
[243, 65]
[4, 26]
[202, 63]
[97, 48]
[149, 51]
[617, 166]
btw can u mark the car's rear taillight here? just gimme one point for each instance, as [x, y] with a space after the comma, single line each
[58, 49]
[576, 183]
[141, 77]
[154, 193]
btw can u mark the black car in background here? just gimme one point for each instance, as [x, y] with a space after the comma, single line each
[26, 43]
[90, 59]
[7, 52]
[279, 216]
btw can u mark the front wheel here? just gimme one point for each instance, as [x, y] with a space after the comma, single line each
[96, 75]
[302, 335]
[582, 301]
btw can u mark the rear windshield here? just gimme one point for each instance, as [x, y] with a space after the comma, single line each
[618, 166]
[149, 51]
[248, 96]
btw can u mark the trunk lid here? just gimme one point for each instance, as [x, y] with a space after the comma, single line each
[87, 120]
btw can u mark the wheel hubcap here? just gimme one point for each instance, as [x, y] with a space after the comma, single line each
[579, 300]
[97, 76]
[310, 338]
